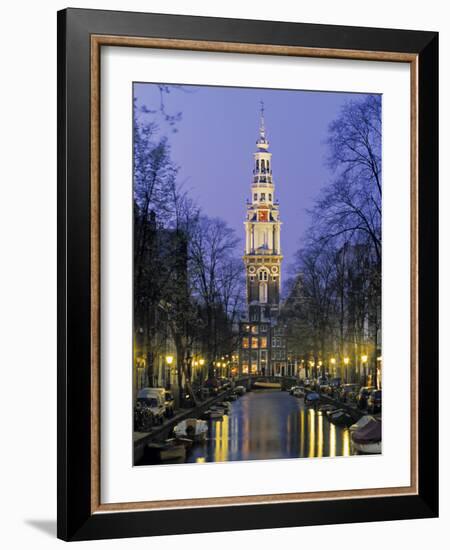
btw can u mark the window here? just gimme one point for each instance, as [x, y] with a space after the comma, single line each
[263, 167]
[263, 196]
[263, 342]
[267, 166]
[257, 165]
[255, 196]
[254, 329]
[263, 328]
[263, 293]
[245, 343]
[263, 275]
[254, 343]
[270, 197]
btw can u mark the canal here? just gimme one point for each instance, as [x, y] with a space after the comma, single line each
[270, 424]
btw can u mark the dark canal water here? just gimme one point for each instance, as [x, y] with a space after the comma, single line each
[270, 424]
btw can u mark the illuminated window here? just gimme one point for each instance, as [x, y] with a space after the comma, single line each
[245, 368]
[245, 343]
[254, 329]
[263, 342]
[255, 343]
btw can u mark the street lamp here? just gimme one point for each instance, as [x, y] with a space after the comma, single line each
[364, 361]
[346, 362]
[169, 361]
[333, 362]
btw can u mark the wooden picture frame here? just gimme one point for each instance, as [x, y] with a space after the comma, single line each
[81, 35]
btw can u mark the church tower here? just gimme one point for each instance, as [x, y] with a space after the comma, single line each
[262, 260]
[263, 257]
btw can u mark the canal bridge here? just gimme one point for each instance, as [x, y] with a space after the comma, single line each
[251, 381]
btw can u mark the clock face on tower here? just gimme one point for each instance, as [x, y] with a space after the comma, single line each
[263, 215]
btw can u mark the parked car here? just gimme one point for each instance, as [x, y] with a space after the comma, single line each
[333, 387]
[213, 386]
[153, 400]
[374, 402]
[165, 395]
[224, 383]
[348, 392]
[293, 388]
[322, 383]
[362, 397]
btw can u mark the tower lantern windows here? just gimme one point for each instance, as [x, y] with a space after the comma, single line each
[263, 197]
[255, 196]
[263, 275]
[270, 197]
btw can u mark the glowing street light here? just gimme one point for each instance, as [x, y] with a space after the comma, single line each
[169, 359]
[202, 362]
[333, 361]
[346, 360]
[364, 358]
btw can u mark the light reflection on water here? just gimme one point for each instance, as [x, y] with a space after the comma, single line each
[267, 424]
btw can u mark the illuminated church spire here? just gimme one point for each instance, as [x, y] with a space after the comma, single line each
[262, 260]
[262, 229]
[262, 142]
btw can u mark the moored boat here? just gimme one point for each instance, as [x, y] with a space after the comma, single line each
[240, 390]
[341, 418]
[225, 405]
[367, 439]
[363, 421]
[327, 408]
[213, 414]
[166, 451]
[312, 398]
[191, 428]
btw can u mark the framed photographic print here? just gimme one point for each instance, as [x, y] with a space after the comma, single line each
[247, 274]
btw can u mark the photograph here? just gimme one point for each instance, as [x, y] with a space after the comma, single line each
[257, 274]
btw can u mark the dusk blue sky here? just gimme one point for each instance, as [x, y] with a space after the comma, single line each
[215, 141]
